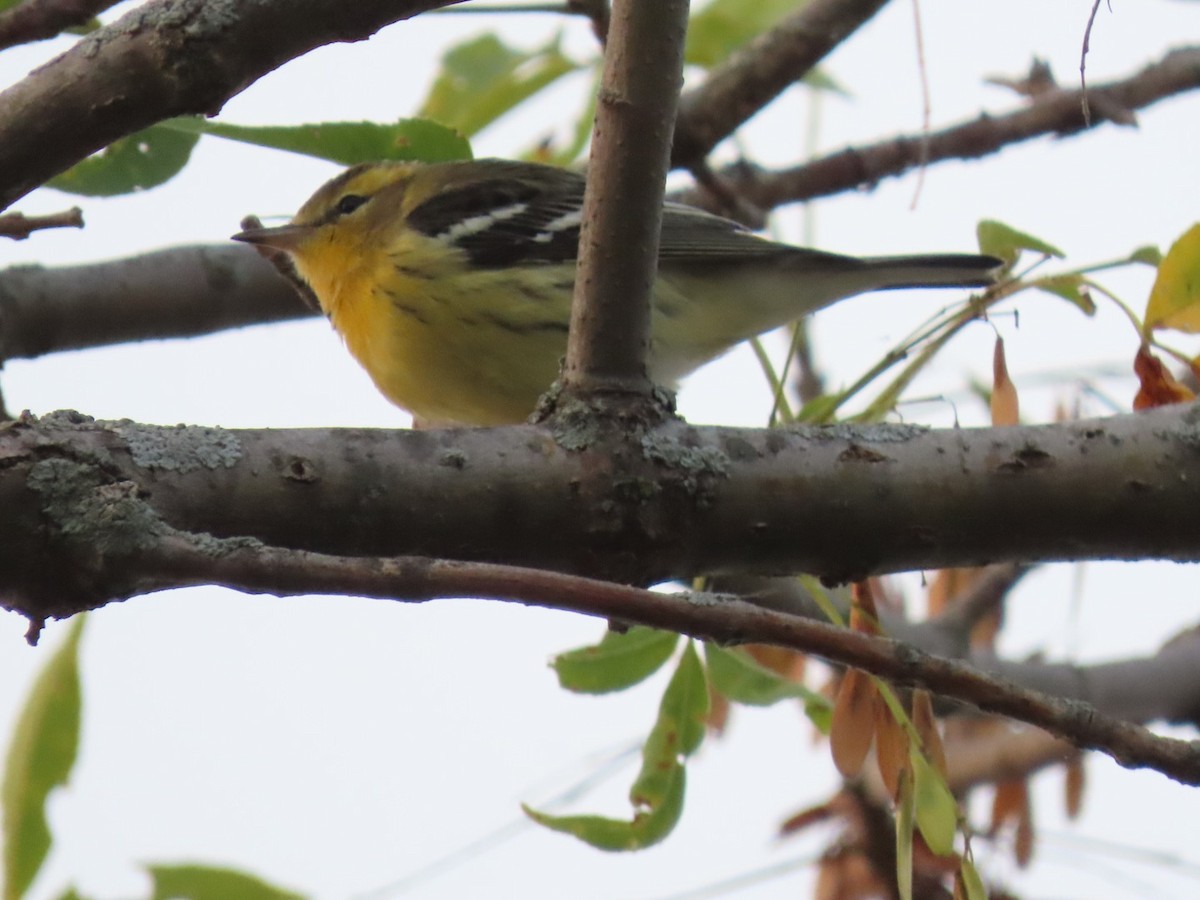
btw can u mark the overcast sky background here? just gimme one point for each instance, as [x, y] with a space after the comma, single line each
[335, 746]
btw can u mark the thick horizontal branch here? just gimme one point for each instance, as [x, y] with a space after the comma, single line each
[165, 58]
[1056, 112]
[759, 72]
[173, 293]
[672, 502]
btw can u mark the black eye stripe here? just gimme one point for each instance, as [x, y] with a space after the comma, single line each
[349, 204]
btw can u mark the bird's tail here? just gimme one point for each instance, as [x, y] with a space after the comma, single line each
[934, 270]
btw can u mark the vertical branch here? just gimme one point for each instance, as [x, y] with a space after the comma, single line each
[622, 208]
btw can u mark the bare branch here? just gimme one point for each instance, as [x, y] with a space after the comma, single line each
[165, 58]
[170, 293]
[622, 208]
[19, 226]
[1055, 112]
[760, 71]
[639, 507]
[177, 559]
[37, 20]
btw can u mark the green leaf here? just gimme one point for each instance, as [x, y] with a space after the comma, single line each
[85, 27]
[741, 678]
[724, 26]
[134, 163]
[997, 239]
[347, 143]
[657, 793]
[1175, 298]
[1071, 287]
[820, 410]
[483, 78]
[617, 662]
[971, 882]
[44, 744]
[904, 837]
[196, 882]
[1148, 255]
[936, 809]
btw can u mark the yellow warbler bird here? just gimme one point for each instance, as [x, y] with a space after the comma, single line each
[451, 282]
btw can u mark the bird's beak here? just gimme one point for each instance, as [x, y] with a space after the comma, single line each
[285, 237]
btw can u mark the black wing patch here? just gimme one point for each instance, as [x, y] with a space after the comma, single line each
[531, 214]
[508, 219]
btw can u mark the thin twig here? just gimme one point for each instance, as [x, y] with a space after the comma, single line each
[926, 103]
[181, 559]
[19, 226]
[1083, 52]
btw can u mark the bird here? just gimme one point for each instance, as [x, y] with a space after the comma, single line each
[451, 282]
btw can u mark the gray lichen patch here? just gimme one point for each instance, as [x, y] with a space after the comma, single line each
[182, 449]
[108, 516]
[691, 461]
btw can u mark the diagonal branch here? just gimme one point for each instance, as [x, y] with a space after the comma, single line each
[165, 58]
[760, 71]
[38, 20]
[1056, 112]
[178, 559]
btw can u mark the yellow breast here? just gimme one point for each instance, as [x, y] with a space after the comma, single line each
[447, 344]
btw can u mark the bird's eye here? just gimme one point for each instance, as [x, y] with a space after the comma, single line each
[349, 204]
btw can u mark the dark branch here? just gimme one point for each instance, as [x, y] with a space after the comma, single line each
[19, 226]
[760, 71]
[1054, 112]
[176, 559]
[171, 293]
[165, 58]
[38, 20]
[622, 207]
[645, 507]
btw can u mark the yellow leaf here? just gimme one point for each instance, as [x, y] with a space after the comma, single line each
[1175, 297]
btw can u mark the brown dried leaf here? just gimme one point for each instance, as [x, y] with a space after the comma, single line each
[1157, 386]
[1023, 842]
[718, 711]
[925, 723]
[811, 816]
[788, 663]
[1009, 802]
[891, 749]
[1074, 786]
[863, 615]
[1005, 407]
[853, 724]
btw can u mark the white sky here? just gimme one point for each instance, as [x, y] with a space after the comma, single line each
[337, 745]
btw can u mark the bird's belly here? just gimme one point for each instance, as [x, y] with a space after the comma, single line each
[463, 362]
